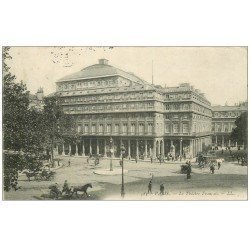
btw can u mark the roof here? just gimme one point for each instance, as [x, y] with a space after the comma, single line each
[228, 108]
[98, 70]
[103, 70]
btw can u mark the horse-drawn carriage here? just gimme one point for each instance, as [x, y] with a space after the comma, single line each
[68, 193]
[42, 175]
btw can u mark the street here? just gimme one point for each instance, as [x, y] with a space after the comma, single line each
[227, 183]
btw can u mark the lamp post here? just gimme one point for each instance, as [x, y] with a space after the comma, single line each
[111, 154]
[123, 150]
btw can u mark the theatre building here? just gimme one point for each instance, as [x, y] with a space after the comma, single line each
[112, 107]
[223, 122]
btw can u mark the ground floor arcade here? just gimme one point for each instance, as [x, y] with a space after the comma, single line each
[139, 148]
[223, 140]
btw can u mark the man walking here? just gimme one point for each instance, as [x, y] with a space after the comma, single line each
[162, 189]
[150, 187]
[69, 163]
[212, 168]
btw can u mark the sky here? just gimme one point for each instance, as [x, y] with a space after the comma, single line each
[219, 72]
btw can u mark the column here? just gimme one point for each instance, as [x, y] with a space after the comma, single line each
[137, 149]
[216, 139]
[57, 149]
[222, 144]
[69, 149]
[129, 153]
[236, 144]
[191, 148]
[146, 148]
[180, 147]
[159, 148]
[97, 146]
[83, 148]
[90, 147]
[162, 149]
[154, 149]
[229, 143]
[63, 153]
[105, 148]
[76, 150]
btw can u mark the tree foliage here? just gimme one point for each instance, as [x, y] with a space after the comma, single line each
[239, 133]
[21, 127]
[29, 132]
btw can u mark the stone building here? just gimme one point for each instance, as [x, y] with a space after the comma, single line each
[37, 100]
[223, 122]
[107, 102]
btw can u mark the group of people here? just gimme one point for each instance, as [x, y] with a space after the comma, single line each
[162, 188]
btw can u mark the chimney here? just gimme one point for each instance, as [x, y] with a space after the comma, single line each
[103, 61]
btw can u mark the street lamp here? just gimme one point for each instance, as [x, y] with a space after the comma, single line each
[123, 150]
[111, 154]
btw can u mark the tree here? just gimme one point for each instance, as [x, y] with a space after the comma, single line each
[57, 126]
[21, 127]
[15, 107]
[239, 133]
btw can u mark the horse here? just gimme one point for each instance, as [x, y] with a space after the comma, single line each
[30, 174]
[81, 189]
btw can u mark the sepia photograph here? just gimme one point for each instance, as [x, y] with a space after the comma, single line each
[125, 123]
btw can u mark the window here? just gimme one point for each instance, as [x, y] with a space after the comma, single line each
[176, 106]
[185, 128]
[167, 107]
[100, 128]
[125, 128]
[116, 128]
[226, 128]
[167, 128]
[108, 128]
[150, 128]
[133, 128]
[93, 129]
[86, 128]
[79, 128]
[141, 128]
[175, 128]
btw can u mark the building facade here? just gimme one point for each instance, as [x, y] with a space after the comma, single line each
[37, 101]
[223, 122]
[107, 102]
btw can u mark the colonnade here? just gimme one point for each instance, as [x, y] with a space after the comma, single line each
[135, 147]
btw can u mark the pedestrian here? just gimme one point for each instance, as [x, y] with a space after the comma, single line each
[242, 161]
[222, 151]
[219, 164]
[233, 157]
[136, 159]
[238, 159]
[150, 187]
[69, 163]
[66, 188]
[189, 170]
[58, 162]
[162, 189]
[212, 168]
